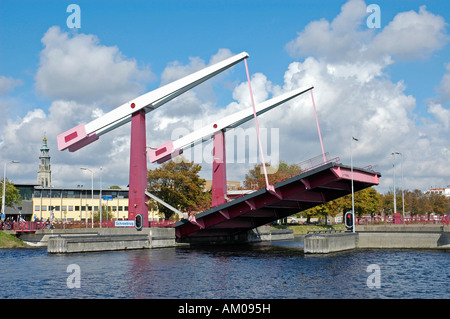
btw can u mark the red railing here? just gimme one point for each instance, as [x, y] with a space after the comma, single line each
[162, 223]
[28, 226]
[445, 220]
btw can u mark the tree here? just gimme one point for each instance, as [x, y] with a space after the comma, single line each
[416, 203]
[105, 214]
[387, 203]
[438, 203]
[12, 194]
[331, 208]
[178, 184]
[367, 201]
[255, 178]
[320, 210]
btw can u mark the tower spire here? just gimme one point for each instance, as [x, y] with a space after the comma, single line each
[44, 176]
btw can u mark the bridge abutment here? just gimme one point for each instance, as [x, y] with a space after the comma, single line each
[258, 234]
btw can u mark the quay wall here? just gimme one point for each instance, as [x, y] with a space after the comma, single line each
[404, 240]
[384, 237]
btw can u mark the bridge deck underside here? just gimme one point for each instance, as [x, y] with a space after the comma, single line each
[291, 196]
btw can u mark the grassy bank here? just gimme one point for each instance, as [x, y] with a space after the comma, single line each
[303, 229]
[10, 241]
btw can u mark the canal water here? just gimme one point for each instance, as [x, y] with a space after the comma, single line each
[269, 270]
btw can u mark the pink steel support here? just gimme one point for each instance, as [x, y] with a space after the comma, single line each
[318, 128]
[137, 203]
[219, 178]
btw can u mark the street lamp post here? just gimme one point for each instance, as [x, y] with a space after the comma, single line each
[395, 200]
[92, 190]
[403, 196]
[4, 185]
[100, 208]
[353, 195]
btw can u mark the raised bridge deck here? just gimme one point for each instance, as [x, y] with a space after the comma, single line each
[295, 194]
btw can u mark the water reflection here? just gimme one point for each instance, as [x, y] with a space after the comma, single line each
[264, 270]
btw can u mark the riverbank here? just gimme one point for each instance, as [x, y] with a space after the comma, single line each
[10, 241]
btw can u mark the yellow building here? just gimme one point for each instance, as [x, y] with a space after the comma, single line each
[75, 204]
[72, 204]
[231, 185]
[42, 201]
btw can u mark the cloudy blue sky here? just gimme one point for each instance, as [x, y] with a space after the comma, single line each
[388, 86]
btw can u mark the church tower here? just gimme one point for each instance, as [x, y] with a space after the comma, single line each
[44, 177]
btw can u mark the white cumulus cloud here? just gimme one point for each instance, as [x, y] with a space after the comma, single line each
[77, 67]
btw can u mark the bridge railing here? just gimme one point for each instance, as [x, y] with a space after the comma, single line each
[324, 231]
[445, 220]
[162, 223]
[29, 226]
[305, 166]
[317, 161]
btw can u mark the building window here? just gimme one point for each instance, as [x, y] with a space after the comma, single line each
[71, 208]
[37, 208]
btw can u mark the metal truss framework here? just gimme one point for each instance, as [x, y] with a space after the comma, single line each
[298, 193]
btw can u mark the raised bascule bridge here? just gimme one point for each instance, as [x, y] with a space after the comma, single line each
[325, 182]
[297, 193]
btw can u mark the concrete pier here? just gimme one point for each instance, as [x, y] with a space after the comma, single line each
[77, 244]
[380, 236]
[99, 239]
[324, 243]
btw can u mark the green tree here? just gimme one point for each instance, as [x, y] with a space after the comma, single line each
[367, 201]
[12, 194]
[178, 183]
[320, 211]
